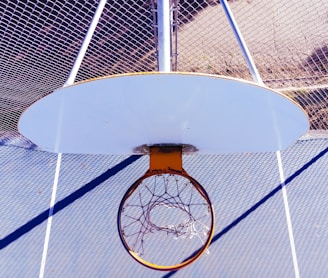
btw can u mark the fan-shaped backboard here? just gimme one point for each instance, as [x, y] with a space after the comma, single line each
[116, 115]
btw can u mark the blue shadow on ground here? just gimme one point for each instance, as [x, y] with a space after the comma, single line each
[259, 203]
[60, 205]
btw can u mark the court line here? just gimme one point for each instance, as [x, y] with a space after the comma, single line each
[50, 216]
[70, 80]
[65, 202]
[288, 216]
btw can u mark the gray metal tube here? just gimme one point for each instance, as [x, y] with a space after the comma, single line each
[164, 35]
[78, 61]
[242, 44]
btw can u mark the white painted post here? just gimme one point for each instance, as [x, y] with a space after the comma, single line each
[164, 35]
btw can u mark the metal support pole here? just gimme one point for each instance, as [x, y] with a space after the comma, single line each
[164, 35]
[242, 44]
[257, 79]
[70, 80]
[78, 61]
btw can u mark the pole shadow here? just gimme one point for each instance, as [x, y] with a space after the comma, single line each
[259, 203]
[60, 205]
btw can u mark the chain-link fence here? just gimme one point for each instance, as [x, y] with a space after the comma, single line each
[39, 41]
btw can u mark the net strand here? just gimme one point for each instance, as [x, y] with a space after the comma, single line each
[165, 192]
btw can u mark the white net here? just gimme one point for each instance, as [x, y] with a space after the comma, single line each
[166, 219]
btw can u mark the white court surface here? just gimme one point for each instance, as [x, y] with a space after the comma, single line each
[115, 115]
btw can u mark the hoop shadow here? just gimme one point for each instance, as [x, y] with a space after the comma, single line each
[259, 203]
[60, 205]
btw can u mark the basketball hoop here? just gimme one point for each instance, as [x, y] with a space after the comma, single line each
[166, 219]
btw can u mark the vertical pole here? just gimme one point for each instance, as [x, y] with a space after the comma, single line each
[242, 44]
[164, 35]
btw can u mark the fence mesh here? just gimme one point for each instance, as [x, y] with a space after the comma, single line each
[40, 39]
